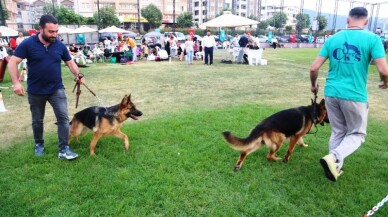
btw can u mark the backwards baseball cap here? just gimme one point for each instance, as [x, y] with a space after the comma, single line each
[358, 12]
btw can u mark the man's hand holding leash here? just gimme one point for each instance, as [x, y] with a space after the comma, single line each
[384, 84]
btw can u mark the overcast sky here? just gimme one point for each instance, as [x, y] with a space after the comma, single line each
[343, 5]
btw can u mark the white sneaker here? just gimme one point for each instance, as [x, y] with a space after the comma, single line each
[330, 168]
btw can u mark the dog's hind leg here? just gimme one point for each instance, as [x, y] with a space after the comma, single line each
[124, 137]
[301, 142]
[293, 140]
[271, 155]
[274, 142]
[244, 154]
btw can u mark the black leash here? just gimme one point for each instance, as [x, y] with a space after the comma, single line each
[78, 86]
[314, 113]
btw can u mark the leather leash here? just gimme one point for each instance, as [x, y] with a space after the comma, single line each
[78, 86]
[314, 115]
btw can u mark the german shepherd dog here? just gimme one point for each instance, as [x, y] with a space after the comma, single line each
[292, 123]
[104, 121]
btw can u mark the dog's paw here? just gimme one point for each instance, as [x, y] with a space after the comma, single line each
[285, 160]
[237, 168]
[304, 145]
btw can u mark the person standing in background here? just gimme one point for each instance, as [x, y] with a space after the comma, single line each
[208, 43]
[23, 64]
[189, 48]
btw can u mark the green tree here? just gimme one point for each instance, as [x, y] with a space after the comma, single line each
[48, 9]
[64, 15]
[67, 16]
[106, 17]
[322, 23]
[263, 25]
[222, 12]
[153, 15]
[5, 14]
[185, 20]
[278, 20]
[89, 20]
[302, 22]
[252, 17]
[288, 28]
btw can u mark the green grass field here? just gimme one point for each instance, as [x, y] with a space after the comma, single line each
[178, 163]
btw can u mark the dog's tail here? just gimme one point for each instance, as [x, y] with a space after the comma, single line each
[242, 144]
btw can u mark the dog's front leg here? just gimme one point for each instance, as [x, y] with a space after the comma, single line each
[293, 141]
[124, 137]
[93, 143]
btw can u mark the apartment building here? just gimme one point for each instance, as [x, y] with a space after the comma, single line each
[204, 10]
[127, 10]
[25, 16]
[267, 12]
[10, 6]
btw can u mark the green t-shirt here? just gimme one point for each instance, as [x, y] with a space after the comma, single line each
[350, 52]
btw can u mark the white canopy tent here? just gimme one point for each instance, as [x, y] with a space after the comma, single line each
[6, 31]
[113, 29]
[228, 20]
[83, 30]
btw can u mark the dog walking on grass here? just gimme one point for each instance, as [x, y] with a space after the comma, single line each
[104, 121]
[273, 131]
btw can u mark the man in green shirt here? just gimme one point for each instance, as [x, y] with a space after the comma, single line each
[349, 52]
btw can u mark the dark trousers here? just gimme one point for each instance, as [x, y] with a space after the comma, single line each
[209, 52]
[58, 101]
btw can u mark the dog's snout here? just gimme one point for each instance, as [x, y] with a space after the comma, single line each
[139, 113]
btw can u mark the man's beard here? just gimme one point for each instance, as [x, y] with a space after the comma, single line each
[48, 39]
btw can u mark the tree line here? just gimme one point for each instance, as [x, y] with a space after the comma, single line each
[107, 17]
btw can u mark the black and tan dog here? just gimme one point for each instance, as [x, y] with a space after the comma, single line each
[273, 131]
[104, 121]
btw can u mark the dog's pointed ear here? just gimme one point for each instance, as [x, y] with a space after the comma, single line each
[124, 101]
[129, 97]
[322, 103]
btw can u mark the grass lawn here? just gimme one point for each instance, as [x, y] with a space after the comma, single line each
[178, 163]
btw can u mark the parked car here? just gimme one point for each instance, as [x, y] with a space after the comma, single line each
[303, 38]
[262, 38]
[283, 38]
[297, 40]
[320, 39]
[180, 37]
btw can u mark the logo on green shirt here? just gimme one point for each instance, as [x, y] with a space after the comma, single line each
[348, 54]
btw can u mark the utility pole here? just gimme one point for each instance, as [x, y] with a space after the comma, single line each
[138, 16]
[53, 1]
[98, 14]
[173, 16]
